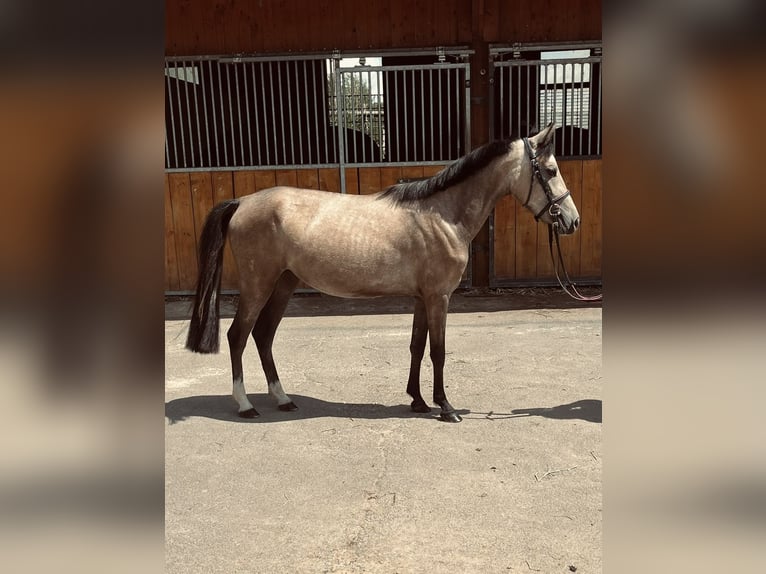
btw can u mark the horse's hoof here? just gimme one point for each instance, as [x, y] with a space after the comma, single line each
[249, 414]
[420, 407]
[450, 417]
[291, 406]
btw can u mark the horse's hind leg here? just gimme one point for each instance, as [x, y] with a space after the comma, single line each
[251, 302]
[263, 334]
[417, 349]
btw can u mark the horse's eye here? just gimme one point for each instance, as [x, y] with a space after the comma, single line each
[551, 171]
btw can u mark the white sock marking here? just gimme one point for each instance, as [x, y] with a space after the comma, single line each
[240, 396]
[276, 391]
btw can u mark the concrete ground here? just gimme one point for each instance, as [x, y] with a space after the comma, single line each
[354, 482]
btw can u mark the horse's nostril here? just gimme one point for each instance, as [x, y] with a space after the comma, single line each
[576, 224]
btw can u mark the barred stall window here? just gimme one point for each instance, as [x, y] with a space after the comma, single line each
[534, 85]
[317, 110]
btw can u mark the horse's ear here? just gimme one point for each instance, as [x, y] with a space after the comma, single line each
[545, 138]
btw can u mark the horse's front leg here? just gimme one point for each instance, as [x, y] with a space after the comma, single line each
[436, 309]
[417, 350]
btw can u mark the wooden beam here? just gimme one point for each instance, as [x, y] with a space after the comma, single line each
[480, 75]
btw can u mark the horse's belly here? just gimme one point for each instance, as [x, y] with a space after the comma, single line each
[357, 275]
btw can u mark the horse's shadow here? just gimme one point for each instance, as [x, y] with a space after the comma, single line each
[587, 410]
[223, 407]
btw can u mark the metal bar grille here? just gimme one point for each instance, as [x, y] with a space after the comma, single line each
[540, 84]
[281, 111]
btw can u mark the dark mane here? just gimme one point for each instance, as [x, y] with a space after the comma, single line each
[453, 174]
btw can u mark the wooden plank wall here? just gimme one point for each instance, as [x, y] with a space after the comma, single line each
[198, 27]
[521, 244]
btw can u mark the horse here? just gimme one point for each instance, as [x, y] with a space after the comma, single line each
[411, 239]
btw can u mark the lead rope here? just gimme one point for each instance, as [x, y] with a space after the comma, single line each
[574, 293]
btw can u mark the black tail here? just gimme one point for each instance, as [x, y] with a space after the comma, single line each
[203, 331]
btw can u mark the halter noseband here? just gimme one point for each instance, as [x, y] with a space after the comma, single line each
[553, 206]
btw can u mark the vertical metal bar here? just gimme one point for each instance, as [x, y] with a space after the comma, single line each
[563, 109]
[527, 71]
[598, 117]
[263, 116]
[172, 116]
[545, 120]
[256, 122]
[555, 99]
[414, 122]
[501, 81]
[301, 125]
[460, 150]
[570, 105]
[361, 101]
[281, 112]
[375, 115]
[536, 91]
[441, 117]
[514, 129]
[461, 126]
[328, 123]
[231, 117]
[579, 119]
[180, 119]
[339, 107]
[354, 114]
[467, 84]
[362, 131]
[423, 113]
[204, 109]
[247, 115]
[432, 155]
[290, 133]
[273, 114]
[213, 111]
[325, 121]
[239, 116]
[449, 109]
[223, 118]
[189, 113]
[359, 117]
[316, 112]
[590, 109]
[517, 104]
[371, 120]
[348, 96]
[293, 88]
[396, 114]
[380, 108]
[197, 76]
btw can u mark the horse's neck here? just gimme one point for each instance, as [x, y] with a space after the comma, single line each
[472, 201]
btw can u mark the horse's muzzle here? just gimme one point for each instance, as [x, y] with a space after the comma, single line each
[569, 229]
[574, 225]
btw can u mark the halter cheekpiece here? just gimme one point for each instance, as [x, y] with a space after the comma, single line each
[553, 207]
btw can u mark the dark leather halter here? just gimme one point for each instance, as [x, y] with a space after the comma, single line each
[553, 207]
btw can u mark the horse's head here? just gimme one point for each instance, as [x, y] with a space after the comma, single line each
[548, 197]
